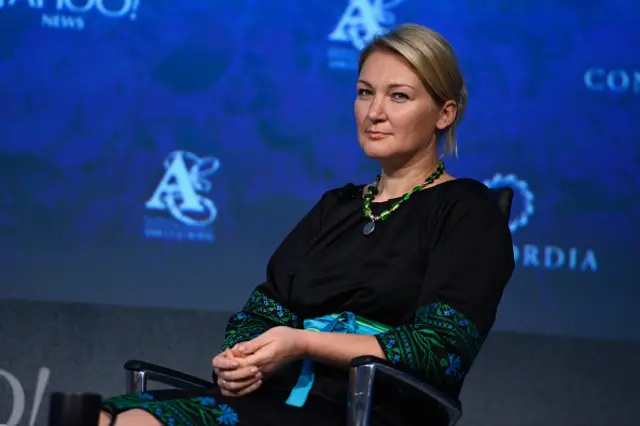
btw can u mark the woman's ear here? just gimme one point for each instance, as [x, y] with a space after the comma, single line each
[448, 114]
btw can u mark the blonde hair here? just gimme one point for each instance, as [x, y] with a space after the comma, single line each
[435, 62]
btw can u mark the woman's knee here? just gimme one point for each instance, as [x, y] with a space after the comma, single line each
[130, 418]
[104, 420]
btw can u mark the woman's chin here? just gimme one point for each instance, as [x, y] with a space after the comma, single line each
[376, 154]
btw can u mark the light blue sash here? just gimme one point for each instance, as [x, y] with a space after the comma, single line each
[345, 322]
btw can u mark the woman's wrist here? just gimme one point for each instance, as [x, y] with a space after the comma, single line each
[336, 348]
[304, 342]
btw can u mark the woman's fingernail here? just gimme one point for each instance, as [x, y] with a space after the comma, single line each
[254, 370]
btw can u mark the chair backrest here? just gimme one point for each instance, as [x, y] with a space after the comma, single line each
[504, 198]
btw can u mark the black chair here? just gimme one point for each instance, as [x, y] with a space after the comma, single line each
[364, 370]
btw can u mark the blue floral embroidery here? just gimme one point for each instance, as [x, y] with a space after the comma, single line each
[454, 365]
[259, 314]
[206, 400]
[448, 312]
[228, 416]
[441, 345]
[177, 412]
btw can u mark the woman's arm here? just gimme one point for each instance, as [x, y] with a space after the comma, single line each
[269, 305]
[338, 349]
[260, 313]
[439, 340]
[469, 267]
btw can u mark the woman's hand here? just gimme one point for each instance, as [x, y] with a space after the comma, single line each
[273, 348]
[235, 376]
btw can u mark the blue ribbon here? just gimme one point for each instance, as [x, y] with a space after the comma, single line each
[345, 322]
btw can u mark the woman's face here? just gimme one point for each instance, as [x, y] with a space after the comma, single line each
[396, 117]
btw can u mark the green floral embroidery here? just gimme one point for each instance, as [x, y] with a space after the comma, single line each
[441, 344]
[259, 314]
[177, 412]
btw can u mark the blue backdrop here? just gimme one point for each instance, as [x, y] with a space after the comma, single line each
[154, 153]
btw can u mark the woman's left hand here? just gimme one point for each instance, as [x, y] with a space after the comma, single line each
[273, 348]
[235, 377]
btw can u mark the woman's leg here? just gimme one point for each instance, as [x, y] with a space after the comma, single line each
[167, 408]
[210, 408]
[133, 417]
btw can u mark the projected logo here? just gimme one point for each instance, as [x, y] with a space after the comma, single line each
[19, 401]
[182, 211]
[612, 80]
[361, 21]
[73, 14]
[545, 256]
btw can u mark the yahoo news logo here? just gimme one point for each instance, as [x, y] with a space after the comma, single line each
[539, 256]
[612, 80]
[71, 14]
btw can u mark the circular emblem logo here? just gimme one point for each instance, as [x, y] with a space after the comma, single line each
[522, 208]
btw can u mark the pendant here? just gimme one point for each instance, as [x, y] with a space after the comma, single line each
[369, 228]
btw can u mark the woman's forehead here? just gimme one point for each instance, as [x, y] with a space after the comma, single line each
[387, 69]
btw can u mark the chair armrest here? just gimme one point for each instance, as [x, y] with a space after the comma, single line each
[364, 370]
[139, 373]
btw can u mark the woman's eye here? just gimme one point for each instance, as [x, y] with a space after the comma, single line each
[399, 96]
[364, 92]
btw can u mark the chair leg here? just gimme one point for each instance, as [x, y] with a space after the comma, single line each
[135, 382]
[360, 394]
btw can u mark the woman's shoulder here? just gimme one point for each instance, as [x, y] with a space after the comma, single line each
[463, 190]
[462, 196]
[344, 193]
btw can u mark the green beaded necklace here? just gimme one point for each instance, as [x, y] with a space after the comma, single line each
[373, 191]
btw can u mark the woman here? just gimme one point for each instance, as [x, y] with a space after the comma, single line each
[420, 258]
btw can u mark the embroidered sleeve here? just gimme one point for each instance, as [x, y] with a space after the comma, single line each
[259, 314]
[441, 345]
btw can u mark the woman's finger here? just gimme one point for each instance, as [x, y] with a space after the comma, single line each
[250, 389]
[241, 373]
[245, 391]
[236, 385]
[224, 362]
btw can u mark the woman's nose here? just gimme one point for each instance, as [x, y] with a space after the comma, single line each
[376, 110]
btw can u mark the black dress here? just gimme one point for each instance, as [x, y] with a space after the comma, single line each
[434, 271]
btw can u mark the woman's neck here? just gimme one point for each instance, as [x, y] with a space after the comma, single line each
[395, 182]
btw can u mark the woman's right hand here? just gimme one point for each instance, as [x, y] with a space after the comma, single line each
[235, 376]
